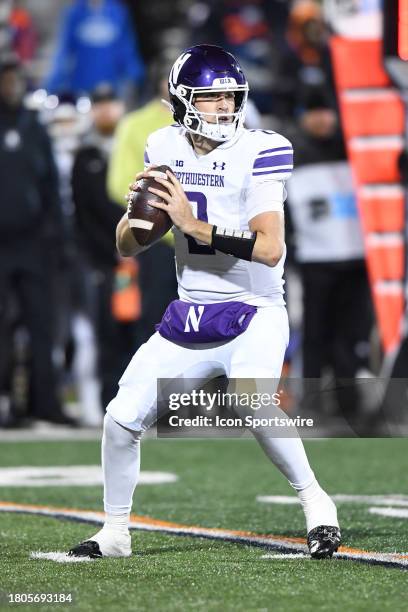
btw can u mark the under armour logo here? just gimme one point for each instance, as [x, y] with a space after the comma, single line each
[194, 318]
[217, 165]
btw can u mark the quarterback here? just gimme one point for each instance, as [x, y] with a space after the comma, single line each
[225, 197]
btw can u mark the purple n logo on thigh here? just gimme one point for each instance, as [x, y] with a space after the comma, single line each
[200, 323]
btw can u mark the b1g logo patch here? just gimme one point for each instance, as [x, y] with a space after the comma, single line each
[229, 81]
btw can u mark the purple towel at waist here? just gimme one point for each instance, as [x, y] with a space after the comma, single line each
[188, 322]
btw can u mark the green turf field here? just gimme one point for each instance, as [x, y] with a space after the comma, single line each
[218, 482]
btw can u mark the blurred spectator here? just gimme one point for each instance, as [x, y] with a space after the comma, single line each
[157, 268]
[5, 34]
[23, 33]
[66, 126]
[75, 350]
[250, 29]
[30, 234]
[17, 32]
[131, 135]
[97, 216]
[306, 60]
[96, 45]
[337, 313]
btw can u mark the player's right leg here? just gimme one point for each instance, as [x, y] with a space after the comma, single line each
[121, 464]
[129, 414]
[256, 357]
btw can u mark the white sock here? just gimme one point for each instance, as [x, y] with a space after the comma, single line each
[121, 467]
[117, 522]
[311, 493]
[318, 507]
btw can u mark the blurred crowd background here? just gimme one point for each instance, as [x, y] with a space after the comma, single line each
[81, 84]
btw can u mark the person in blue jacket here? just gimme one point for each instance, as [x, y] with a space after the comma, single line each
[96, 45]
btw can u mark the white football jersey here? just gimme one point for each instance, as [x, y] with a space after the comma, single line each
[238, 180]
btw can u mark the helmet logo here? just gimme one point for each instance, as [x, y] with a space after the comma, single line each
[229, 81]
[178, 64]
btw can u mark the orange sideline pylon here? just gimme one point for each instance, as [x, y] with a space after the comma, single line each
[373, 119]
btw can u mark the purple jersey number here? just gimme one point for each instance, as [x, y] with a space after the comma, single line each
[193, 247]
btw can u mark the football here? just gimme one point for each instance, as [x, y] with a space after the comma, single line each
[148, 224]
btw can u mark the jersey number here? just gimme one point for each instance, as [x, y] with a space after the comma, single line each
[193, 247]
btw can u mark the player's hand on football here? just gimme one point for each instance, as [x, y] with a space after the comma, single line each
[175, 203]
[135, 186]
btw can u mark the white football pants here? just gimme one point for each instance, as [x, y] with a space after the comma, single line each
[257, 354]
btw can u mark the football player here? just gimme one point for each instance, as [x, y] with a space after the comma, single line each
[225, 197]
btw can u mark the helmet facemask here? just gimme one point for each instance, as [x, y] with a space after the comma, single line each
[186, 113]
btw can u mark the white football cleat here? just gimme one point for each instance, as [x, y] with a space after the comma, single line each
[106, 543]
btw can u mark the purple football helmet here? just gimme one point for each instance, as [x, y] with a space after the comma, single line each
[207, 69]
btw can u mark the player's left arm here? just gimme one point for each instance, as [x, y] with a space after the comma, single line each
[263, 242]
[269, 229]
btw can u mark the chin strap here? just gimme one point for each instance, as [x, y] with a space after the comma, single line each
[167, 103]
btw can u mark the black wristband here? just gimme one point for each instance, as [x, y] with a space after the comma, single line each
[234, 242]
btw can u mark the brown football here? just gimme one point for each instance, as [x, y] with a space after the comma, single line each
[148, 224]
